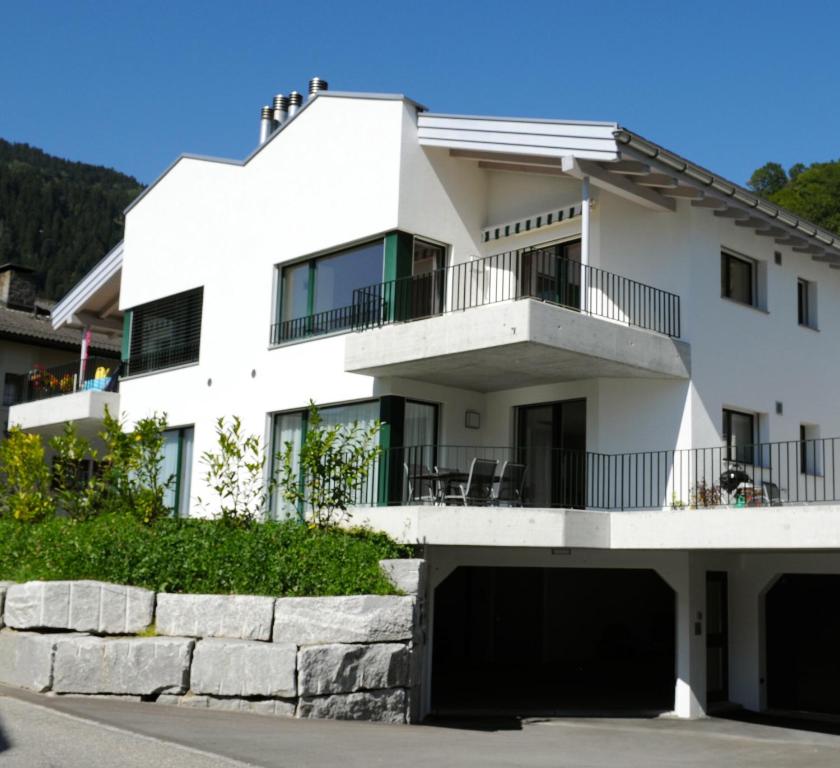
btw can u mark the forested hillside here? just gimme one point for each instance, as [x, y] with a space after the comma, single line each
[58, 216]
[811, 191]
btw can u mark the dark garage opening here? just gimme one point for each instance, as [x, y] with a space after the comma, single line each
[803, 643]
[544, 640]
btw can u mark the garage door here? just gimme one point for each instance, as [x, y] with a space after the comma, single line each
[542, 640]
[803, 643]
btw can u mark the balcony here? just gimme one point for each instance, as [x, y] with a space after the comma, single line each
[516, 319]
[72, 392]
[783, 495]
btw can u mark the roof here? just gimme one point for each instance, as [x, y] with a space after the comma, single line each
[28, 327]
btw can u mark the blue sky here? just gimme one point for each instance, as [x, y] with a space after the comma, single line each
[730, 85]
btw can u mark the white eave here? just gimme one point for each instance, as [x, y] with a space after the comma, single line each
[94, 299]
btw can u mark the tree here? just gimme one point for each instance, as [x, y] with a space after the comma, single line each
[768, 179]
[814, 194]
[333, 466]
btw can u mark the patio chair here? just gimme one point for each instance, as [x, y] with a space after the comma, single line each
[510, 489]
[478, 490]
[419, 488]
[772, 494]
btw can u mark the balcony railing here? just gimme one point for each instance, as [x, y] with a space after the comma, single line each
[320, 324]
[766, 474]
[536, 274]
[100, 373]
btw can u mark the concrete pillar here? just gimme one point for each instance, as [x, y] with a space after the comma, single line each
[688, 580]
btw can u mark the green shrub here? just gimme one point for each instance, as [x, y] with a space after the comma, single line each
[199, 556]
[24, 478]
[75, 492]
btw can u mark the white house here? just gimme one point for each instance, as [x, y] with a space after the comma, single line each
[566, 297]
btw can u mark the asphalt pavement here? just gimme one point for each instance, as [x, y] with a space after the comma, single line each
[38, 731]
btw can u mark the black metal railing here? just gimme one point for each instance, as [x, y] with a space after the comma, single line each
[320, 324]
[538, 273]
[100, 373]
[766, 474]
[162, 358]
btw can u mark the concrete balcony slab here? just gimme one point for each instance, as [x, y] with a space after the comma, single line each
[47, 417]
[514, 344]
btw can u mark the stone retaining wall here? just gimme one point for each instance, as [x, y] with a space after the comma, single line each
[355, 657]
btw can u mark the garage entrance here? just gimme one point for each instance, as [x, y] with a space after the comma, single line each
[803, 643]
[543, 640]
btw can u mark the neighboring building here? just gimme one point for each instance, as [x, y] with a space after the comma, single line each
[567, 296]
[38, 361]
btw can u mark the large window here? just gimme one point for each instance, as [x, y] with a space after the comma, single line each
[177, 464]
[737, 278]
[13, 388]
[166, 332]
[290, 428]
[739, 436]
[316, 296]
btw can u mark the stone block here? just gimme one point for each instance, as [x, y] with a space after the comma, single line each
[325, 669]
[384, 706]
[223, 667]
[26, 659]
[84, 606]
[354, 619]
[279, 707]
[134, 665]
[406, 575]
[4, 585]
[245, 617]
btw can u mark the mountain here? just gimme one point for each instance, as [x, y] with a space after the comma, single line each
[57, 216]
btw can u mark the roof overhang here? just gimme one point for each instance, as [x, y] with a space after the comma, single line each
[623, 163]
[94, 301]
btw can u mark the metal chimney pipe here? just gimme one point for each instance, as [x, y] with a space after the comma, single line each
[265, 124]
[317, 84]
[295, 100]
[281, 110]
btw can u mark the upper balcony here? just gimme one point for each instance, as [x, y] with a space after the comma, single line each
[78, 392]
[515, 319]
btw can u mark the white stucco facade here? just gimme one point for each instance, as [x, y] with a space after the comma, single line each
[349, 169]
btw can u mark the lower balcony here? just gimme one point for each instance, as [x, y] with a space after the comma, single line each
[783, 495]
[76, 392]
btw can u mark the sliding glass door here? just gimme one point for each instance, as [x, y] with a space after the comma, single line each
[553, 273]
[551, 442]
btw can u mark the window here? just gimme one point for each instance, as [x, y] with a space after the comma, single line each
[291, 428]
[738, 278]
[739, 436]
[166, 332]
[13, 388]
[177, 464]
[427, 281]
[806, 303]
[810, 450]
[316, 296]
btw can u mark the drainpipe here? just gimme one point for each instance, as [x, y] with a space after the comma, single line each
[584, 243]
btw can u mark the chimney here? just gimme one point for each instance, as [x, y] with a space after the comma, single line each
[295, 100]
[266, 117]
[17, 286]
[281, 110]
[316, 84]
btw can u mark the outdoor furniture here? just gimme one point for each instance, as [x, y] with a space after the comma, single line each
[420, 486]
[478, 489]
[510, 489]
[772, 494]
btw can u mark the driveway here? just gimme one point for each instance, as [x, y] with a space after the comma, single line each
[51, 732]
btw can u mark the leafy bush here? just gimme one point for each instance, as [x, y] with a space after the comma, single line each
[75, 492]
[199, 556]
[24, 478]
[333, 465]
[235, 472]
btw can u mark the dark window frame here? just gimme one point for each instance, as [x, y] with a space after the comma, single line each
[805, 304]
[183, 312]
[18, 380]
[727, 259]
[743, 454]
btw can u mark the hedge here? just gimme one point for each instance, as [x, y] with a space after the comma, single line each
[199, 556]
